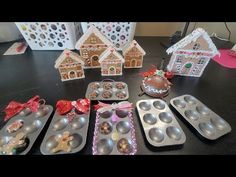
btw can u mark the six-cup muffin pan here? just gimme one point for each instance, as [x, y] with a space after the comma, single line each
[107, 91]
[159, 124]
[60, 125]
[210, 125]
[114, 137]
[31, 123]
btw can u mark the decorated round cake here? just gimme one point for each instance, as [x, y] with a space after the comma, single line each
[155, 86]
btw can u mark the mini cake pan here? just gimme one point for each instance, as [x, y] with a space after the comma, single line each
[207, 123]
[64, 136]
[159, 124]
[114, 132]
[28, 123]
[107, 91]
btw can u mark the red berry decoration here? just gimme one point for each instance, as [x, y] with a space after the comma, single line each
[169, 75]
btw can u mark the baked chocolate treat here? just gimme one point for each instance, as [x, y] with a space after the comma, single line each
[106, 94]
[120, 95]
[123, 146]
[105, 128]
[94, 85]
[107, 86]
[93, 94]
[156, 86]
[120, 85]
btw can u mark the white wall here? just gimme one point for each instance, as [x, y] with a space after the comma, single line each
[9, 32]
[157, 28]
[169, 28]
[218, 28]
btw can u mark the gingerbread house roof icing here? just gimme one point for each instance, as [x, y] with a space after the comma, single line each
[192, 37]
[130, 45]
[90, 30]
[65, 54]
[108, 51]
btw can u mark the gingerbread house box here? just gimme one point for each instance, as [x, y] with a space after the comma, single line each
[191, 54]
[91, 45]
[70, 65]
[111, 62]
[133, 54]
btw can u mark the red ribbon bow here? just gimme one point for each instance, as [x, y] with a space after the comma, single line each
[14, 107]
[64, 106]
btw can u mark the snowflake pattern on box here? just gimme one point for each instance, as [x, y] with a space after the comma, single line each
[191, 55]
[50, 35]
[119, 33]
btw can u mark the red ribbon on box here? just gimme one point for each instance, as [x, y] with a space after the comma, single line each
[64, 106]
[15, 107]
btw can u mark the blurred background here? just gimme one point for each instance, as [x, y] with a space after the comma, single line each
[168, 28]
[9, 31]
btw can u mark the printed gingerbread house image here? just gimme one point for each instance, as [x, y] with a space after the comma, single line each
[70, 65]
[133, 54]
[111, 62]
[191, 54]
[91, 45]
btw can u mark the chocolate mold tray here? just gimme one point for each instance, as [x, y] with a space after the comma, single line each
[107, 91]
[159, 124]
[210, 125]
[31, 124]
[114, 137]
[73, 135]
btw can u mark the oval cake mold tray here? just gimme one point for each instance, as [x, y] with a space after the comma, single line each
[64, 136]
[32, 123]
[107, 91]
[159, 123]
[207, 123]
[114, 132]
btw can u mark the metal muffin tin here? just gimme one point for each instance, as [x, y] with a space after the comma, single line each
[110, 142]
[78, 128]
[159, 124]
[210, 125]
[33, 123]
[97, 89]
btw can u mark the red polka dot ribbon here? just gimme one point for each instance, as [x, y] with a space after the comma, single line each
[65, 106]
